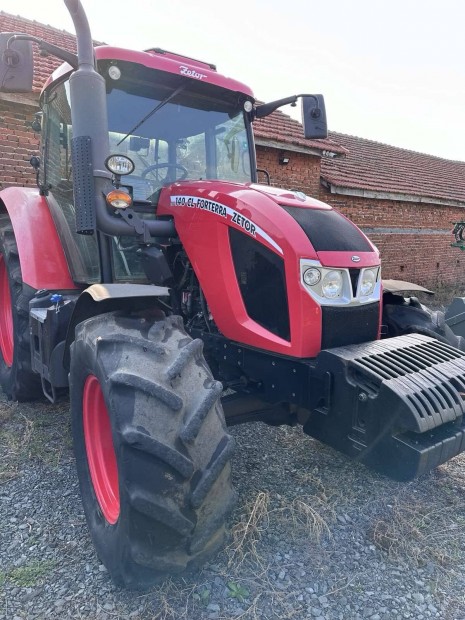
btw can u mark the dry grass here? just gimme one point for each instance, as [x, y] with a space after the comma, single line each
[248, 530]
[415, 532]
[306, 515]
[32, 433]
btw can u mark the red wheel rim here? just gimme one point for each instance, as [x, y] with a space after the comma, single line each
[100, 450]
[6, 316]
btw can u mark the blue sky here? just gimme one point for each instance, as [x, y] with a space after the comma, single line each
[392, 71]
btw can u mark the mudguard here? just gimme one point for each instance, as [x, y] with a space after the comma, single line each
[102, 298]
[41, 255]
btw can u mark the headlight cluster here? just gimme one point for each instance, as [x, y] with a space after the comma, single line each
[328, 283]
[336, 284]
[367, 282]
[331, 286]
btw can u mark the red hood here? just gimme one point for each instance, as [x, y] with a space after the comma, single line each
[289, 197]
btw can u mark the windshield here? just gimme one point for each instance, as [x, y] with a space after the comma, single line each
[175, 128]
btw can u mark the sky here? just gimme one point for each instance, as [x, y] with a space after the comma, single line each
[391, 71]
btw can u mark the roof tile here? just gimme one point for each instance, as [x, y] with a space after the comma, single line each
[378, 167]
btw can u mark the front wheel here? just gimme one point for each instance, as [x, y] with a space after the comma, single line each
[151, 446]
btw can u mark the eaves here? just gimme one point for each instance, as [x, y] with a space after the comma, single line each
[28, 99]
[287, 146]
[382, 195]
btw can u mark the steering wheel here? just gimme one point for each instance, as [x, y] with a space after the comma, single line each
[184, 171]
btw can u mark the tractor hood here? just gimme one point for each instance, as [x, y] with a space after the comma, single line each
[291, 198]
[249, 246]
[283, 220]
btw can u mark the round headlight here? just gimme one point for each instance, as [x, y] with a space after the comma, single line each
[119, 164]
[331, 286]
[312, 276]
[367, 285]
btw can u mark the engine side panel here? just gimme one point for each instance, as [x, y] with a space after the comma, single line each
[43, 263]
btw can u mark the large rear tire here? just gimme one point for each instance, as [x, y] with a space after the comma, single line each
[151, 446]
[17, 379]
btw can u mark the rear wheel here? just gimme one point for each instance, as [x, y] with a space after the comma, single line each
[17, 379]
[151, 446]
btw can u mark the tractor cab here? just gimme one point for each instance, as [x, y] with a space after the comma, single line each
[172, 127]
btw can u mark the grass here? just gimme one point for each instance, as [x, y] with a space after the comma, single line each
[28, 575]
[247, 531]
[416, 530]
[38, 433]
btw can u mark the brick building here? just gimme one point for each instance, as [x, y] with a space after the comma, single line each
[404, 201]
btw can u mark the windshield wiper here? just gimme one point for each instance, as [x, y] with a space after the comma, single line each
[155, 109]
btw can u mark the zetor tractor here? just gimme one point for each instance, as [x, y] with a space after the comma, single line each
[153, 277]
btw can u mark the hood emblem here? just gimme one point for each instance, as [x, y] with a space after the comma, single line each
[355, 259]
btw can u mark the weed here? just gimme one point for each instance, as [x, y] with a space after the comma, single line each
[202, 595]
[235, 590]
[29, 575]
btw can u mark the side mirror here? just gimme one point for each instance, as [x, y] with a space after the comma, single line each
[314, 117]
[16, 65]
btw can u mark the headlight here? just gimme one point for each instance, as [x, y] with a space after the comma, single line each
[312, 276]
[331, 287]
[119, 164]
[368, 282]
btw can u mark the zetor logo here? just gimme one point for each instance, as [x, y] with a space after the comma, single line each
[191, 73]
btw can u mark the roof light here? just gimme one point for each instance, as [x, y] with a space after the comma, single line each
[119, 164]
[114, 72]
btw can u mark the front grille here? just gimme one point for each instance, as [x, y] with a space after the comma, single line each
[349, 325]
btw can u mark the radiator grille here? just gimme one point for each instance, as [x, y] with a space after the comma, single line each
[349, 325]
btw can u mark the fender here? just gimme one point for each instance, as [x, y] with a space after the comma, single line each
[41, 256]
[101, 298]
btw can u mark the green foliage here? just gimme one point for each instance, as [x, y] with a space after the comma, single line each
[202, 596]
[235, 590]
[29, 575]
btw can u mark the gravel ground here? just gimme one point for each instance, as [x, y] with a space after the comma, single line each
[315, 536]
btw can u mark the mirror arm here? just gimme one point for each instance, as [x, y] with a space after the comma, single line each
[267, 108]
[48, 48]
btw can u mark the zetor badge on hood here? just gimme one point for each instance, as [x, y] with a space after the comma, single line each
[264, 297]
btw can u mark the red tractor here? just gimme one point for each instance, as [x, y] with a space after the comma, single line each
[153, 277]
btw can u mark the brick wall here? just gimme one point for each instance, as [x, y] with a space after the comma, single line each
[301, 173]
[413, 238]
[17, 143]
